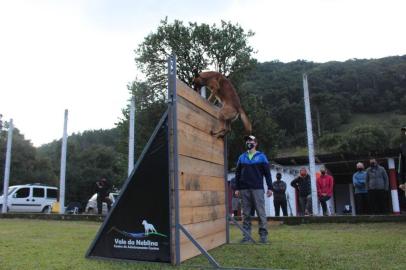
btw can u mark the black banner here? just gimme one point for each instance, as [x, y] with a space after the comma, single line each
[138, 226]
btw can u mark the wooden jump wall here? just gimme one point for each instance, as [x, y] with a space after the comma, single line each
[201, 176]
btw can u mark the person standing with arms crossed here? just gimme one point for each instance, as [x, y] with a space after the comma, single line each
[252, 167]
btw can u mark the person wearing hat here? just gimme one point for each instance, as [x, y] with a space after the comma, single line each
[325, 185]
[252, 167]
[360, 190]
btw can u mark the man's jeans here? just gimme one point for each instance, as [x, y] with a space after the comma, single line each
[254, 198]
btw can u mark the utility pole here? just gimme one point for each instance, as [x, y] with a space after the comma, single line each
[63, 165]
[310, 146]
[7, 166]
[131, 137]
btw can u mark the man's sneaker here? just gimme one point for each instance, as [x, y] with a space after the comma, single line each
[245, 240]
[263, 240]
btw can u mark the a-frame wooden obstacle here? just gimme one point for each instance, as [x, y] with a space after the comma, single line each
[174, 204]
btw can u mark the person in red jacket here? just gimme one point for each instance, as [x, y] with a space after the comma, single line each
[325, 184]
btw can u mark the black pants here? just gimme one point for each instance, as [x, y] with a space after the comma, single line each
[323, 201]
[280, 204]
[100, 200]
[361, 203]
[377, 201]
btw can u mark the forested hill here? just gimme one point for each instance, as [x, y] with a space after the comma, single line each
[341, 94]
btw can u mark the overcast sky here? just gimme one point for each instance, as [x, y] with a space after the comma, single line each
[78, 54]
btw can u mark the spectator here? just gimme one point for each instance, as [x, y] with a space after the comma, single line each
[103, 189]
[302, 184]
[377, 184]
[279, 199]
[361, 192]
[252, 167]
[325, 185]
[402, 160]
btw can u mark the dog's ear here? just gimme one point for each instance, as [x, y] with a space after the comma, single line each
[195, 72]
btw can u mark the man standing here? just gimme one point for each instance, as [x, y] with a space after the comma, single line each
[252, 167]
[279, 198]
[377, 184]
[103, 190]
[361, 193]
[302, 184]
[325, 185]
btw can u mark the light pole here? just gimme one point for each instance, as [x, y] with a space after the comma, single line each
[310, 145]
[7, 166]
[63, 165]
[131, 137]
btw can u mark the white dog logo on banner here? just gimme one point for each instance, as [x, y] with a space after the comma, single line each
[148, 227]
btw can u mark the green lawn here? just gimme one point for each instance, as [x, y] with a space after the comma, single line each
[38, 244]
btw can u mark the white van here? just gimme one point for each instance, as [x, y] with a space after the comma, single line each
[30, 198]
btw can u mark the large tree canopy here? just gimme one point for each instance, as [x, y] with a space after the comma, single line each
[221, 48]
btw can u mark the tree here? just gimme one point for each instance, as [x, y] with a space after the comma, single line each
[90, 155]
[364, 139]
[26, 167]
[224, 49]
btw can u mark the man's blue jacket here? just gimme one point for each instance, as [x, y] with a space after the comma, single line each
[251, 172]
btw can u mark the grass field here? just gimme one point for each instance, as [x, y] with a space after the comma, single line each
[38, 244]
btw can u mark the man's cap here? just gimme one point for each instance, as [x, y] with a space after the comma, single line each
[250, 138]
[360, 165]
[403, 129]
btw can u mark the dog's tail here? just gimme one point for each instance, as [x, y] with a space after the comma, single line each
[246, 122]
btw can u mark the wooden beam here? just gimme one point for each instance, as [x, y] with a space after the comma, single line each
[202, 229]
[189, 198]
[192, 96]
[197, 144]
[188, 181]
[190, 215]
[196, 117]
[196, 166]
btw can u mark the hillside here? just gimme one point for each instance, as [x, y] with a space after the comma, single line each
[389, 121]
[357, 100]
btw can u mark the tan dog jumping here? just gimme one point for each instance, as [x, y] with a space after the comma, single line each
[222, 89]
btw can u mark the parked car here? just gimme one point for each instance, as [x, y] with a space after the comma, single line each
[30, 198]
[91, 207]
